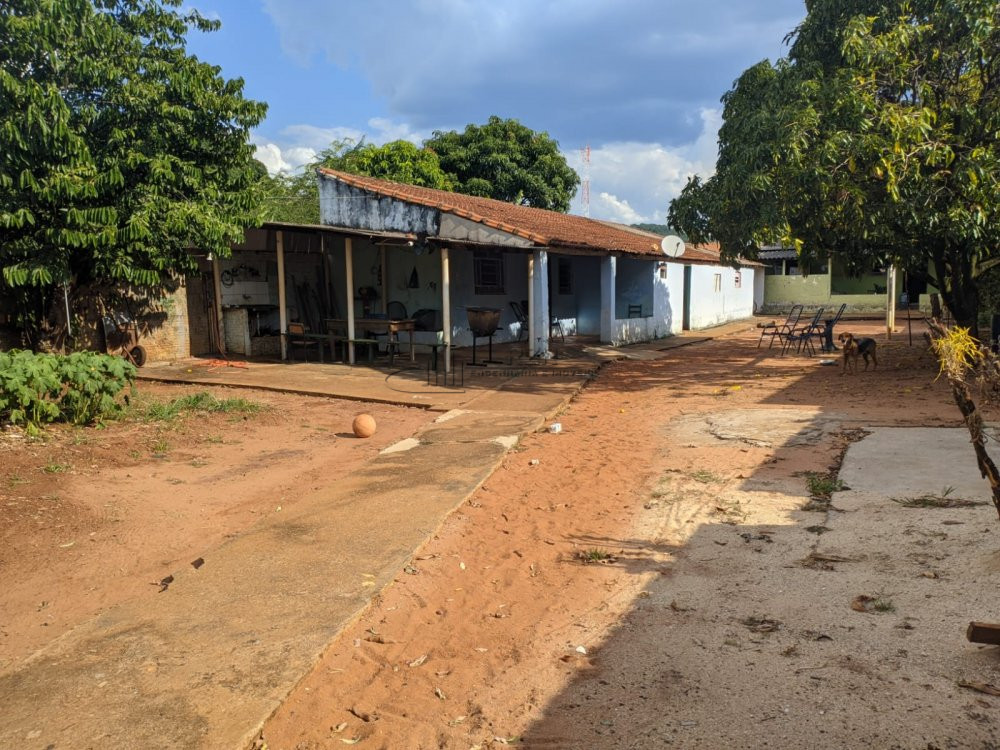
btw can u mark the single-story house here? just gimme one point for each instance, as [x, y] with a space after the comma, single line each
[389, 249]
[829, 284]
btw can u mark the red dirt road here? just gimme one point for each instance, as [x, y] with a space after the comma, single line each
[512, 624]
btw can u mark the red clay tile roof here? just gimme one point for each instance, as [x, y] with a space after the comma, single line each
[549, 228]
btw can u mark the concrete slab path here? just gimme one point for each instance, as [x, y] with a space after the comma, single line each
[223, 644]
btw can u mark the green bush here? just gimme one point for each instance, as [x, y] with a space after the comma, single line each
[80, 388]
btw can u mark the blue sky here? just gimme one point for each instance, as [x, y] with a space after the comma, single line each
[637, 80]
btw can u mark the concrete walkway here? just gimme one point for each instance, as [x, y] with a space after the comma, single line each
[406, 384]
[214, 654]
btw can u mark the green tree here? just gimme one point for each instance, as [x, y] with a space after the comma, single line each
[875, 141]
[118, 150]
[296, 197]
[505, 160]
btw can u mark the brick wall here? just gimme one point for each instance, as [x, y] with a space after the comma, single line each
[164, 329]
[177, 326]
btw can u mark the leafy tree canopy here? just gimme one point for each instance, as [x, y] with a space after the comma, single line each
[661, 229]
[118, 150]
[505, 160]
[874, 140]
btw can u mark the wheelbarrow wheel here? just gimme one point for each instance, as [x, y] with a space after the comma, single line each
[137, 356]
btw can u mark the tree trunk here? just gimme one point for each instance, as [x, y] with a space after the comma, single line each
[958, 287]
[974, 422]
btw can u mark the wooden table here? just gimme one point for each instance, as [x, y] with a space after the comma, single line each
[391, 326]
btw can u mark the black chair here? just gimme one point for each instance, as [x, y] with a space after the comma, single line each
[781, 329]
[297, 336]
[802, 336]
[521, 318]
[556, 325]
[826, 335]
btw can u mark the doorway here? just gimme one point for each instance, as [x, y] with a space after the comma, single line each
[686, 315]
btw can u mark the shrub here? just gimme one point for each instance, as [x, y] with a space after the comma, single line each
[80, 388]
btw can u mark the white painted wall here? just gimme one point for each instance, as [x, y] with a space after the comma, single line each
[710, 307]
[664, 319]
[758, 289]
[580, 311]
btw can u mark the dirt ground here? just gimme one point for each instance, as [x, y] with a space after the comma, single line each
[645, 578]
[648, 578]
[92, 517]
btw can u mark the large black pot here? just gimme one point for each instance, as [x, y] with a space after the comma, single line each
[483, 321]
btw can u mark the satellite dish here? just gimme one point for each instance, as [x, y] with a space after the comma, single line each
[672, 246]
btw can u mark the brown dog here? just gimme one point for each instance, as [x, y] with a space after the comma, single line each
[853, 347]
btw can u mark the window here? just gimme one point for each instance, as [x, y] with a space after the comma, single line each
[487, 271]
[738, 279]
[718, 282]
[565, 274]
[663, 270]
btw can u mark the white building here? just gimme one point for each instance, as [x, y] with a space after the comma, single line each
[434, 250]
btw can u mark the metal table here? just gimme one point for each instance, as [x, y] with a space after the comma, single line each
[391, 327]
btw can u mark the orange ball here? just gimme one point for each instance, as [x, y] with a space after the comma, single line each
[364, 425]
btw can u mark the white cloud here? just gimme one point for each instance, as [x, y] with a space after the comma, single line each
[269, 154]
[580, 69]
[613, 208]
[634, 182]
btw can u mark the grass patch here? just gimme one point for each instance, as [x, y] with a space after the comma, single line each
[705, 477]
[15, 479]
[877, 603]
[595, 556]
[160, 446]
[944, 499]
[823, 485]
[732, 510]
[54, 468]
[167, 411]
[821, 488]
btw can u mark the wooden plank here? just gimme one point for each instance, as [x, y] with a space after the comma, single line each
[984, 632]
[279, 244]
[349, 274]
